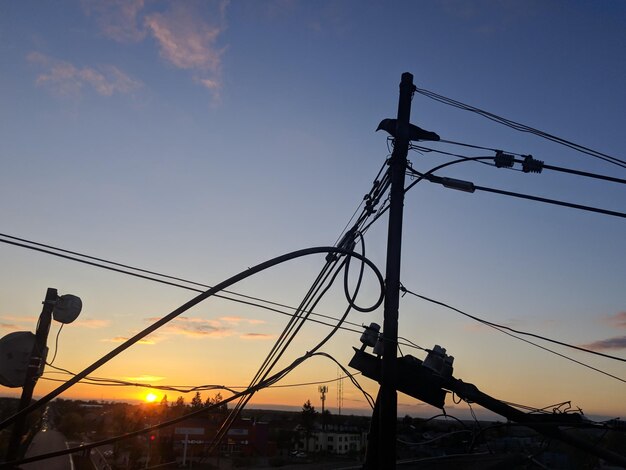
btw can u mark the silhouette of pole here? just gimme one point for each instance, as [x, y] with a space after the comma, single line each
[388, 396]
[37, 358]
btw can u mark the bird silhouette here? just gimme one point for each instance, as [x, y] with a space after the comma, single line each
[415, 133]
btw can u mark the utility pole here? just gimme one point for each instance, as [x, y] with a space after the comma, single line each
[388, 410]
[37, 360]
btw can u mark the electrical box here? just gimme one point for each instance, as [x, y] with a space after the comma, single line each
[413, 378]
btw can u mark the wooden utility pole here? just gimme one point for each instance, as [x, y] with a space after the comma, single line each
[388, 410]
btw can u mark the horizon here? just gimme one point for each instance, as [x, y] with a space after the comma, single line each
[199, 139]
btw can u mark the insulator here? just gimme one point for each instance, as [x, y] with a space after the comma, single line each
[530, 165]
[370, 335]
[504, 160]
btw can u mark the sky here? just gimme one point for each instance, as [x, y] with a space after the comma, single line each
[200, 138]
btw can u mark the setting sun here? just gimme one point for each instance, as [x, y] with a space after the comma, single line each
[151, 397]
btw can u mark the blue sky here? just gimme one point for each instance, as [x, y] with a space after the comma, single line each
[200, 138]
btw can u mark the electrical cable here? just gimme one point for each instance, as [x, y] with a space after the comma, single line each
[183, 286]
[434, 439]
[269, 381]
[275, 355]
[126, 266]
[422, 176]
[56, 345]
[519, 332]
[224, 284]
[523, 128]
[530, 342]
[580, 173]
[552, 201]
[462, 144]
[308, 304]
[438, 180]
[545, 166]
[102, 382]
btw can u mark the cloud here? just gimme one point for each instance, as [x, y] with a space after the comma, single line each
[121, 339]
[237, 320]
[30, 319]
[618, 320]
[607, 344]
[195, 327]
[91, 323]
[117, 19]
[9, 326]
[66, 79]
[144, 378]
[256, 336]
[189, 41]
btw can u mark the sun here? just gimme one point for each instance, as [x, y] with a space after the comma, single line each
[151, 397]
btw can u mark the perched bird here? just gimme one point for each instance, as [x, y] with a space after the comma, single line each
[415, 133]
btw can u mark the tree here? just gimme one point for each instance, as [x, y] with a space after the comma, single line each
[307, 419]
[164, 407]
[222, 409]
[196, 401]
[178, 408]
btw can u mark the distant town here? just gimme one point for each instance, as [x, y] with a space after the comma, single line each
[114, 435]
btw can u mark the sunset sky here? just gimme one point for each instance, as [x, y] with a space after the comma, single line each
[200, 138]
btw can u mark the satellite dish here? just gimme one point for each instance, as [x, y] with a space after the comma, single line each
[67, 308]
[15, 351]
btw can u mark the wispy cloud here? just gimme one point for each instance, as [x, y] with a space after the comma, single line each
[618, 320]
[91, 323]
[29, 319]
[9, 326]
[195, 327]
[144, 378]
[121, 339]
[607, 344]
[65, 79]
[238, 320]
[117, 19]
[261, 336]
[187, 36]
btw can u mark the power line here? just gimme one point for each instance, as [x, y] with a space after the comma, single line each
[580, 173]
[550, 201]
[196, 300]
[471, 187]
[264, 384]
[523, 128]
[174, 284]
[504, 329]
[462, 144]
[107, 382]
[71, 258]
[541, 164]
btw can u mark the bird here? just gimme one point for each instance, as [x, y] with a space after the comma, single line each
[415, 133]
